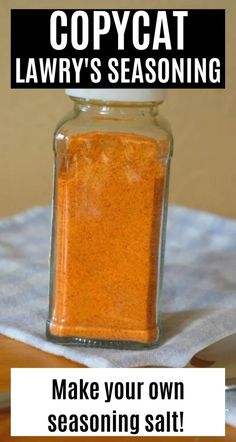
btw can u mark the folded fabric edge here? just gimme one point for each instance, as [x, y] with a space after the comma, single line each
[57, 350]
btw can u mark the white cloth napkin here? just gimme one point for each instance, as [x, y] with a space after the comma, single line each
[198, 305]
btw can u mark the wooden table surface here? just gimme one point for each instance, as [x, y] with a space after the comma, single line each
[16, 354]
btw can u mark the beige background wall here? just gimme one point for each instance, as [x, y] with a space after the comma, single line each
[204, 121]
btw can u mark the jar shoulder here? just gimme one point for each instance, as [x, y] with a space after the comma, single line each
[156, 127]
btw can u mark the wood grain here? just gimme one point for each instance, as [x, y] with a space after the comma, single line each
[16, 354]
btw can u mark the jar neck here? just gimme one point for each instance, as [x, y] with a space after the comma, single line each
[116, 108]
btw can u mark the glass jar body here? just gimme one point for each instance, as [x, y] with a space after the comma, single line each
[109, 221]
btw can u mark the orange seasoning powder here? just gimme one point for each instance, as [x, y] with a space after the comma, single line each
[108, 207]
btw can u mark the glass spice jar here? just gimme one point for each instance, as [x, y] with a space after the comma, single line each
[112, 157]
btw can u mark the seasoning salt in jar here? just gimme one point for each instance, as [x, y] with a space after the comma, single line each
[112, 157]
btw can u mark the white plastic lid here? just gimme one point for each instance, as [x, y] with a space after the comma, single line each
[138, 95]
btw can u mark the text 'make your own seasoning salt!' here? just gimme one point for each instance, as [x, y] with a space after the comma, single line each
[112, 156]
